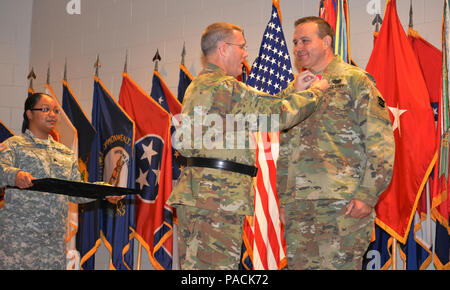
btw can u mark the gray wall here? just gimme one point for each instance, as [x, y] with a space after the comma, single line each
[110, 27]
[41, 33]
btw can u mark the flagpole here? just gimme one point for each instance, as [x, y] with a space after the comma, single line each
[394, 254]
[156, 59]
[97, 66]
[139, 256]
[31, 76]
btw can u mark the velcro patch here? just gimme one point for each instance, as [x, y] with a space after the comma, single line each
[381, 102]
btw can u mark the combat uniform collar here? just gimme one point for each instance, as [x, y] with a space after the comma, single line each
[332, 66]
[29, 135]
[210, 67]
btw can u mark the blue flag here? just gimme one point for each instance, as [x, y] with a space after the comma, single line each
[113, 152]
[379, 253]
[166, 99]
[415, 254]
[86, 132]
[88, 234]
[183, 82]
[5, 133]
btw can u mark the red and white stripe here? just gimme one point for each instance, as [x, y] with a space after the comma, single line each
[269, 248]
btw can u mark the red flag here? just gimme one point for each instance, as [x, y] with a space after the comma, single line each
[399, 78]
[153, 172]
[327, 11]
[5, 133]
[430, 61]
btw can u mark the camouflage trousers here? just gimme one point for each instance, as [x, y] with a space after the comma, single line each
[320, 236]
[208, 240]
[31, 250]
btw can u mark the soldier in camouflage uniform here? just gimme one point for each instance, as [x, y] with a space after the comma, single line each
[33, 224]
[334, 165]
[211, 203]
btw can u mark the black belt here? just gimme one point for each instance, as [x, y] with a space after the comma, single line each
[79, 189]
[222, 164]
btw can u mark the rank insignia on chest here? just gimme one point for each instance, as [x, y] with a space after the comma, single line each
[336, 81]
[381, 102]
[337, 84]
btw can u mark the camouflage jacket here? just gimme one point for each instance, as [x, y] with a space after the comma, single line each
[345, 150]
[30, 219]
[209, 100]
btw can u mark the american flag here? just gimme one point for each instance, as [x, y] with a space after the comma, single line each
[271, 72]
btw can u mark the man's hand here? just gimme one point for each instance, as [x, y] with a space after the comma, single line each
[320, 84]
[303, 80]
[282, 215]
[358, 209]
[307, 79]
[23, 179]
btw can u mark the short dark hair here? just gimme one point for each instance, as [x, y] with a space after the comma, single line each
[30, 102]
[323, 27]
[214, 33]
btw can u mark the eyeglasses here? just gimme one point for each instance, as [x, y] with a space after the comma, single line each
[241, 46]
[56, 111]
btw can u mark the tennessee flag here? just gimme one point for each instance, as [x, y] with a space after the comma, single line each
[153, 172]
[396, 70]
